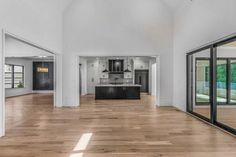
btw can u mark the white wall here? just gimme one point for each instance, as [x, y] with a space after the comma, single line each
[27, 77]
[16, 48]
[196, 24]
[141, 63]
[26, 19]
[118, 28]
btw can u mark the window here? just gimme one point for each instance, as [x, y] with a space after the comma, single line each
[14, 76]
[8, 76]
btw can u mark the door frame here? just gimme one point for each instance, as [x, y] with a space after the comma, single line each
[158, 76]
[56, 98]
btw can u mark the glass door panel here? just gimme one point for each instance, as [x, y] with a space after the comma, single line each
[202, 81]
[221, 81]
[233, 81]
[226, 112]
[199, 78]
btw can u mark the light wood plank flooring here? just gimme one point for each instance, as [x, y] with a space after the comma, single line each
[225, 115]
[107, 128]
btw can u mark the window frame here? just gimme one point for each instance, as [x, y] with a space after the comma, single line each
[13, 76]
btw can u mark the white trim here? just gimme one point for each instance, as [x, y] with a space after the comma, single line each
[77, 96]
[2, 114]
[54, 80]
[4, 33]
[158, 81]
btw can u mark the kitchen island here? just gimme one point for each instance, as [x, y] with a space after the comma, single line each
[117, 91]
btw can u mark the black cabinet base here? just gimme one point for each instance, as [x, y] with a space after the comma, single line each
[111, 92]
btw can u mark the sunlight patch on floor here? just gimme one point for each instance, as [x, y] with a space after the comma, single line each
[77, 155]
[82, 144]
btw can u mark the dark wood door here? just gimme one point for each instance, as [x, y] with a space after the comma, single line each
[42, 75]
[142, 78]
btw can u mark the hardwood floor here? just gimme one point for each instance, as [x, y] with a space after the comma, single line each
[225, 115]
[107, 128]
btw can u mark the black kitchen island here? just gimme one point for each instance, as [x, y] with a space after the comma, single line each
[117, 91]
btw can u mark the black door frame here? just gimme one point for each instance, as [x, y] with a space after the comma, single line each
[213, 83]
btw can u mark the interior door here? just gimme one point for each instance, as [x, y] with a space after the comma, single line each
[141, 78]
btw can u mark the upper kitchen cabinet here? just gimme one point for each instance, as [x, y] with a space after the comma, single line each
[116, 66]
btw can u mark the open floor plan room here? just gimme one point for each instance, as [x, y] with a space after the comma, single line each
[117, 78]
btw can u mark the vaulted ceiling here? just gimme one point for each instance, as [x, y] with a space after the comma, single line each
[174, 5]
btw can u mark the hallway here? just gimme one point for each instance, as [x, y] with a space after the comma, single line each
[112, 128]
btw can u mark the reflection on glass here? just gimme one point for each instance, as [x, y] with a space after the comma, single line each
[201, 83]
[8, 76]
[202, 80]
[233, 81]
[226, 112]
[221, 81]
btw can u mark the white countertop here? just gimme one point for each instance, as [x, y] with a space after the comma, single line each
[118, 85]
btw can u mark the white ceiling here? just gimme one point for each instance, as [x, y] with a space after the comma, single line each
[174, 5]
[65, 3]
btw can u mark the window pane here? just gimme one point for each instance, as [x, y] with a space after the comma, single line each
[233, 81]
[226, 112]
[8, 76]
[18, 76]
[221, 80]
[203, 80]
[200, 76]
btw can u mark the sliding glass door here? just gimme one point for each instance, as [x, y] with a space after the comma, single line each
[199, 69]
[226, 110]
[211, 83]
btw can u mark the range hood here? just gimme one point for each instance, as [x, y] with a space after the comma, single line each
[116, 66]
